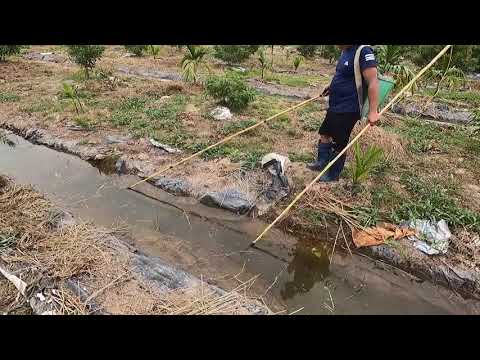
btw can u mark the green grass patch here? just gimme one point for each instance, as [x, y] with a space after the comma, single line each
[301, 157]
[136, 115]
[84, 142]
[424, 136]
[311, 122]
[310, 116]
[233, 127]
[45, 105]
[294, 80]
[248, 154]
[367, 216]
[8, 239]
[383, 196]
[311, 107]
[84, 122]
[470, 97]
[8, 97]
[313, 218]
[432, 200]
[282, 122]
[80, 76]
[265, 106]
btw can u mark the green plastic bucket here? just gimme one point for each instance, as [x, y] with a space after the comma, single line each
[385, 87]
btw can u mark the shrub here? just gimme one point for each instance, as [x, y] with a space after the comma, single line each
[464, 57]
[230, 90]
[234, 53]
[8, 50]
[86, 56]
[307, 51]
[330, 52]
[137, 50]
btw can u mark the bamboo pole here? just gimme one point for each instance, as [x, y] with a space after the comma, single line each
[405, 88]
[224, 141]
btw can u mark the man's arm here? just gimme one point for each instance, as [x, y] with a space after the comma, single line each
[370, 75]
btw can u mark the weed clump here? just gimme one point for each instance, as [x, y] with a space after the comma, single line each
[230, 90]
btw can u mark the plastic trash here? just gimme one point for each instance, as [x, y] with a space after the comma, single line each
[433, 239]
[276, 165]
[221, 113]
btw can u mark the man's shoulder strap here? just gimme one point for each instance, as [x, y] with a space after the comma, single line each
[358, 76]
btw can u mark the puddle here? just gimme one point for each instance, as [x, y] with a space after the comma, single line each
[105, 166]
[214, 243]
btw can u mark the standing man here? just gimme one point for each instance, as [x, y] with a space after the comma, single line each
[344, 108]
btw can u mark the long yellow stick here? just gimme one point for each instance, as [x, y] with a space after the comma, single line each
[405, 88]
[225, 140]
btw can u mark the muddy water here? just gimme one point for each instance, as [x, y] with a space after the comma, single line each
[214, 243]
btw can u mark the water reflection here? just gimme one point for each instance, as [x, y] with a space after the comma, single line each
[308, 267]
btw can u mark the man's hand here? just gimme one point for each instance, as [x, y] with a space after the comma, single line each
[373, 118]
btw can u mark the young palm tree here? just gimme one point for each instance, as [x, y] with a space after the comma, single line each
[193, 59]
[390, 61]
[263, 61]
[296, 62]
[364, 162]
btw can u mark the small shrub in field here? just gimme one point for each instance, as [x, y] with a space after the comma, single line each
[234, 53]
[136, 49]
[307, 51]
[86, 56]
[230, 90]
[8, 50]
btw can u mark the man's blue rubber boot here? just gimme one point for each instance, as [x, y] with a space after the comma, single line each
[325, 152]
[333, 174]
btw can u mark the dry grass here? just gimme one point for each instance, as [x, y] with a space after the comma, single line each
[59, 252]
[392, 144]
[201, 300]
[326, 202]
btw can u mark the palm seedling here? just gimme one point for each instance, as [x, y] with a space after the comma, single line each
[191, 62]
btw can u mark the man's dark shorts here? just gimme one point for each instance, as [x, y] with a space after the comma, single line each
[339, 126]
